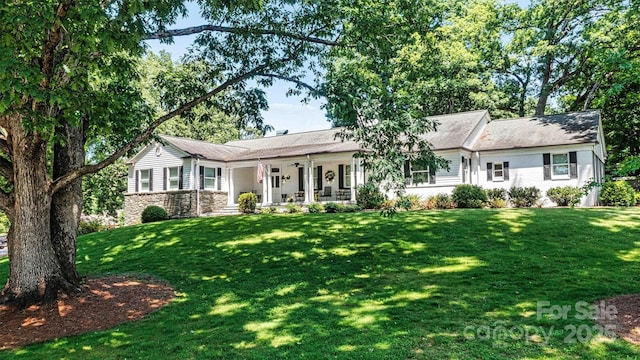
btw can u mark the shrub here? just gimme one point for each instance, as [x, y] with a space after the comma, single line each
[153, 213]
[638, 198]
[524, 197]
[565, 195]
[292, 209]
[409, 202]
[316, 208]
[428, 203]
[247, 203]
[617, 193]
[369, 196]
[443, 201]
[469, 196]
[269, 210]
[90, 226]
[351, 208]
[497, 198]
[332, 207]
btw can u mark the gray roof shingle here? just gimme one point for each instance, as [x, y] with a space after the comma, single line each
[561, 129]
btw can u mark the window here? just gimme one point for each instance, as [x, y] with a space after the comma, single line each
[275, 182]
[347, 176]
[209, 178]
[145, 180]
[418, 174]
[559, 166]
[498, 171]
[173, 178]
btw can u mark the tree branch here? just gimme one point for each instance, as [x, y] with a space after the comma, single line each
[233, 30]
[54, 37]
[290, 79]
[69, 177]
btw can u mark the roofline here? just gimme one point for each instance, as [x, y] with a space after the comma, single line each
[537, 146]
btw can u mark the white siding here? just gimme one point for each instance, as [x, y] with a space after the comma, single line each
[149, 158]
[445, 180]
[526, 169]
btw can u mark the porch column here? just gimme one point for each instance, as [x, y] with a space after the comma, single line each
[310, 188]
[231, 190]
[265, 183]
[360, 174]
[269, 194]
[352, 175]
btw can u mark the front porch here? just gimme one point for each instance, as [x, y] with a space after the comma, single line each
[297, 180]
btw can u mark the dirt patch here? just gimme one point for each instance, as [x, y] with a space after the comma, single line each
[626, 323]
[104, 303]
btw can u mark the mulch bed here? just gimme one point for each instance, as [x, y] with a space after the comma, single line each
[104, 303]
[626, 324]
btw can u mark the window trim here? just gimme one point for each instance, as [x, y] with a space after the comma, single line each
[495, 170]
[347, 176]
[430, 180]
[555, 176]
[175, 178]
[205, 178]
[142, 180]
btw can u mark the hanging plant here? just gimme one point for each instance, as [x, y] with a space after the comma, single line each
[285, 178]
[330, 175]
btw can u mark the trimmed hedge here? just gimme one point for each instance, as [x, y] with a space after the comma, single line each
[565, 195]
[247, 203]
[153, 213]
[469, 196]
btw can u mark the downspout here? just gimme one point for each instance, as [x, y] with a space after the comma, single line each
[196, 185]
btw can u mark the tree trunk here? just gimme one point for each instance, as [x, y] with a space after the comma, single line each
[66, 205]
[34, 272]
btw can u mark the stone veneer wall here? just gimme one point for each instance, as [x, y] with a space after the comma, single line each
[179, 204]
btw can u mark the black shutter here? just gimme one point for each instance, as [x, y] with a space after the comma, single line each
[180, 178]
[164, 178]
[489, 171]
[219, 179]
[319, 177]
[201, 177]
[150, 179]
[546, 162]
[340, 176]
[300, 179]
[432, 175]
[573, 165]
[407, 169]
[137, 180]
[505, 170]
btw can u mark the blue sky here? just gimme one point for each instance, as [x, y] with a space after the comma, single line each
[285, 113]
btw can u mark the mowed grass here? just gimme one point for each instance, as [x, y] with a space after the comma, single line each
[419, 285]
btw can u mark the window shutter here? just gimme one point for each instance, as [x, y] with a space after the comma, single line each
[505, 170]
[300, 179]
[180, 178]
[489, 171]
[546, 161]
[319, 177]
[341, 176]
[407, 169]
[164, 178]
[150, 179]
[201, 177]
[573, 165]
[137, 180]
[219, 179]
[432, 175]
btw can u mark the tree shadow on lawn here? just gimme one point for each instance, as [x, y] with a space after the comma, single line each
[418, 285]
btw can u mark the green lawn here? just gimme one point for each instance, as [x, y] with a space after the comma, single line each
[420, 285]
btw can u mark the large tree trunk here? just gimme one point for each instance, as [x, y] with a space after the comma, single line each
[66, 206]
[34, 272]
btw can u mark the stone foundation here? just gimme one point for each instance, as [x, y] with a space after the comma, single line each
[179, 204]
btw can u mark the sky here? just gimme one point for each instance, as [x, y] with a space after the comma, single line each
[285, 112]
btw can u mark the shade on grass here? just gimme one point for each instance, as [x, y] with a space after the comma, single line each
[417, 285]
